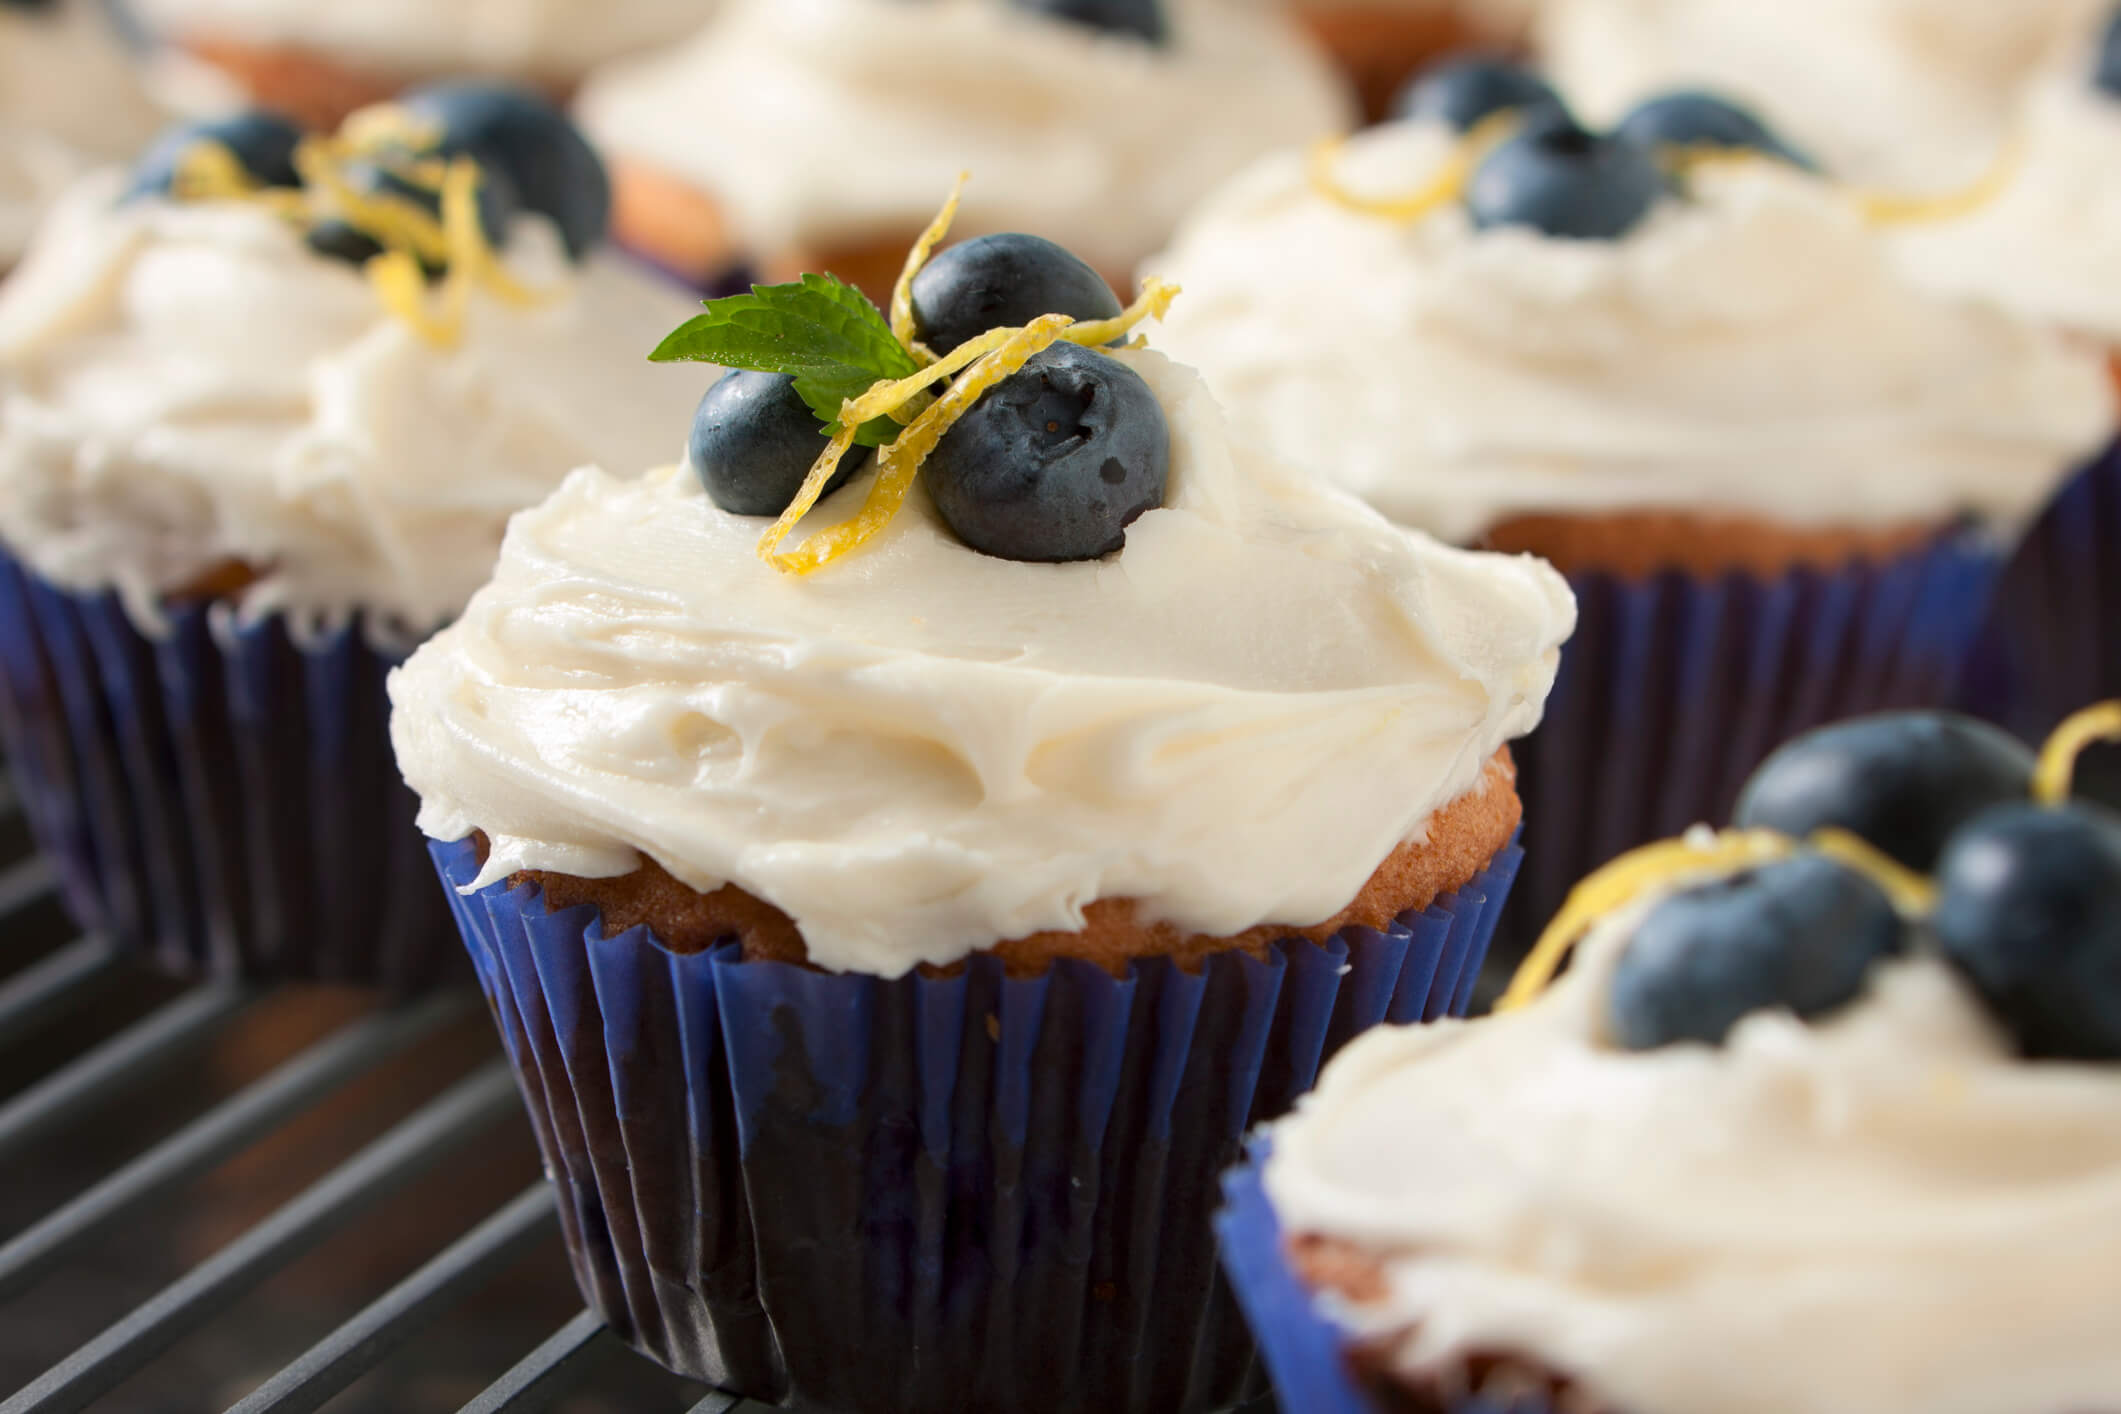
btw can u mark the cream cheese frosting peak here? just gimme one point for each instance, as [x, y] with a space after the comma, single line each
[185, 386]
[1747, 351]
[922, 751]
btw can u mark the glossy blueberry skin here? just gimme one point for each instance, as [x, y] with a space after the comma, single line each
[754, 441]
[551, 166]
[1003, 280]
[1461, 92]
[1054, 463]
[1566, 182]
[263, 142]
[497, 207]
[2029, 909]
[2106, 75]
[1144, 19]
[1692, 118]
[1801, 934]
[1903, 781]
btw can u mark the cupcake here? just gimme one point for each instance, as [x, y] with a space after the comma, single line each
[1381, 43]
[69, 99]
[1800, 1129]
[1780, 476]
[248, 456]
[320, 62]
[896, 911]
[814, 134]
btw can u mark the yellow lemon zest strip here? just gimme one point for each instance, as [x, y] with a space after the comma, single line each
[400, 285]
[1444, 186]
[1912, 895]
[393, 220]
[1618, 883]
[471, 256]
[209, 170]
[1154, 302]
[382, 125]
[899, 462]
[902, 293]
[1896, 209]
[2058, 758]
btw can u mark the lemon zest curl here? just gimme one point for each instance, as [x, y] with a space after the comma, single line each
[902, 327]
[1900, 209]
[1443, 186]
[2058, 757]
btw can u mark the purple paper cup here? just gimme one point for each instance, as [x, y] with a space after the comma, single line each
[1675, 687]
[973, 1193]
[222, 798]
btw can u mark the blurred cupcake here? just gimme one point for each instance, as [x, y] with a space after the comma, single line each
[1782, 1079]
[69, 99]
[896, 931]
[814, 134]
[1780, 476]
[1381, 43]
[319, 62]
[247, 458]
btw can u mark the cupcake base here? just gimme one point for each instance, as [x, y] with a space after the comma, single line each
[222, 799]
[964, 1191]
[314, 89]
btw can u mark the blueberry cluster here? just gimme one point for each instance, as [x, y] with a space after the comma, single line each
[1559, 177]
[530, 158]
[1051, 464]
[2027, 896]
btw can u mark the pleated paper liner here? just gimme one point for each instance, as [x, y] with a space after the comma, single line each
[966, 1193]
[222, 798]
[1675, 687]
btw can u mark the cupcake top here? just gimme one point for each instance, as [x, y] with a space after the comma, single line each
[1228, 702]
[525, 38]
[1898, 92]
[819, 123]
[1739, 346]
[1805, 1081]
[193, 386]
[69, 98]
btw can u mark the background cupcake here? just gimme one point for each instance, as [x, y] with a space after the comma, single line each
[814, 134]
[1381, 43]
[1753, 446]
[319, 62]
[236, 484]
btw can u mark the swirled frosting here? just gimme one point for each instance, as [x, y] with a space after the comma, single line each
[68, 99]
[186, 385]
[817, 123]
[525, 38]
[1900, 92]
[1884, 1213]
[923, 751]
[1750, 351]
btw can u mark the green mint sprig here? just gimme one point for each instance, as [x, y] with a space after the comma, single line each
[835, 342]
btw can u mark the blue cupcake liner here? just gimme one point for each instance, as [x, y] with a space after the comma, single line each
[1675, 687]
[221, 799]
[965, 1192]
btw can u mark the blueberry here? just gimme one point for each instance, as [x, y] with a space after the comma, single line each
[1011, 279]
[753, 441]
[1801, 934]
[1691, 118]
[263, 142]
[552, 168]
[1054, 463]
[1463, 91]
[1565, 181]
[1143, 19]
[344, 240]
[1902, 781]
[2106, 75]
[2029, 908]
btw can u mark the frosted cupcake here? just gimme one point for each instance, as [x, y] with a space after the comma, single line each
[1776, 1081]
[1381, 43]
[993, 839]
[814, 134]
[1780, 475]
[69, 99]
[248, 456]
[321, 61]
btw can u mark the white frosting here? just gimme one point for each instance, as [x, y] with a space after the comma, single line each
[184, 385]
[2049, 247]
[1748, 352]
[815, 122]
[1884, 1213]
[921, 751]
[69, 98]
[1901, 92]
[528, 38]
